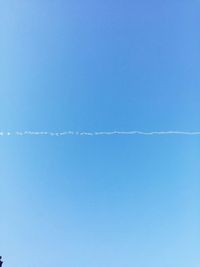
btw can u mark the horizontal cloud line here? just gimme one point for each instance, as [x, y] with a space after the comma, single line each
[98, 133]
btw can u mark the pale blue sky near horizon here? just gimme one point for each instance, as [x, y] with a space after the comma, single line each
[114, 201]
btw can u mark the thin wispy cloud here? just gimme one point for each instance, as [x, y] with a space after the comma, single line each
[98, 133]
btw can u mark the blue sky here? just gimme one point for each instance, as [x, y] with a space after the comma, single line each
[99, 66]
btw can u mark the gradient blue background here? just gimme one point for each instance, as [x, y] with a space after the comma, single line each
[100, 66]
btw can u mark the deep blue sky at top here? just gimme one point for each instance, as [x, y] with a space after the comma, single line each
[99, 66]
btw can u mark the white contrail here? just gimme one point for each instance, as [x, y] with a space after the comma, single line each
[104, 133]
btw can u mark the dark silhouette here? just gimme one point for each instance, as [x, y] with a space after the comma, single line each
[1, 262]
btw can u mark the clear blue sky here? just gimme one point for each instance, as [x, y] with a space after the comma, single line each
[115, 201]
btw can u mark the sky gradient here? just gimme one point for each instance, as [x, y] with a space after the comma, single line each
[99, 201]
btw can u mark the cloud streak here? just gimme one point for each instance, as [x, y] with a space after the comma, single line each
[98, 133]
